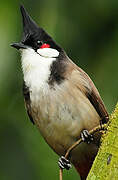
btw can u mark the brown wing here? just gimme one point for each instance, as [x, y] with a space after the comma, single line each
[86, 85]
[27, 101]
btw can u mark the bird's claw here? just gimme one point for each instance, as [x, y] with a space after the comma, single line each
[86, 136]
[64, 163]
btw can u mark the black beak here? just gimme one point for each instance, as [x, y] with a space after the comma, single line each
[19, 46]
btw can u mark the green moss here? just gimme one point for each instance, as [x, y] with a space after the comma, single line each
[105, 166]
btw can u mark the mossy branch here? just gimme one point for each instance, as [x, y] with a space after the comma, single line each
[105, 166]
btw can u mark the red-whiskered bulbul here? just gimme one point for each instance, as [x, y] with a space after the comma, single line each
[60, 97]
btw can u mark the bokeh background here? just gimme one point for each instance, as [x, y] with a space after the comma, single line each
[88, 31]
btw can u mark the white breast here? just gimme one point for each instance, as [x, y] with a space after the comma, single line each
[36, 67]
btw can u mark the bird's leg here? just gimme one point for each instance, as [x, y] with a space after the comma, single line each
[64, 163]
[86, 136]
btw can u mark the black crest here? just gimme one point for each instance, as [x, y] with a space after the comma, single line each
[32, 33]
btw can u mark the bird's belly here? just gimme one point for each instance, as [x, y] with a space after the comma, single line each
[61, 118]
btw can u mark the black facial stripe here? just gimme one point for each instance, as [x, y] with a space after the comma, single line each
[57, 70]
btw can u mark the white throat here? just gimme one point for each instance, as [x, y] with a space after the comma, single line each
[36, 66]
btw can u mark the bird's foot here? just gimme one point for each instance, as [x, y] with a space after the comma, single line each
[64, 163]
[103, 122]
[101, 125]
[86, 136]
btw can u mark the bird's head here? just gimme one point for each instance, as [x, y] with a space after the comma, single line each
[36, 38]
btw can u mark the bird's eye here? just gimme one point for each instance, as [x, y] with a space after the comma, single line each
[40, 43]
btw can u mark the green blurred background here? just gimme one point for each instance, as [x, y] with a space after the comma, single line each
[88, 31]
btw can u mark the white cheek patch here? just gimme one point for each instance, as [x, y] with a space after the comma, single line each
[48, 52]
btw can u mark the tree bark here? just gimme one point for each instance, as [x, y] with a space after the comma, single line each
[105, 166]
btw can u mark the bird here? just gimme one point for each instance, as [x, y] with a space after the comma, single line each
[60, 98]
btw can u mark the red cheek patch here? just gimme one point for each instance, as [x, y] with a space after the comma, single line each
[45, 46]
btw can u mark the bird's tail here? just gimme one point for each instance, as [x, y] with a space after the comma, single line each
[83, 169]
